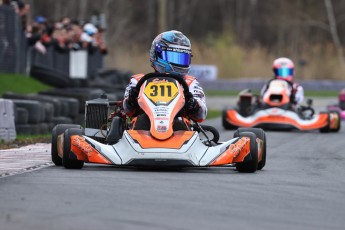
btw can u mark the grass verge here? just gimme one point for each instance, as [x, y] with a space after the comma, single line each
[18, 83]
[213, 113]
[23, 140]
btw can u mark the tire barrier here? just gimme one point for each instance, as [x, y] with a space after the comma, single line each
[80, 94]
[38, 114]
[7, 119]
[50, 76]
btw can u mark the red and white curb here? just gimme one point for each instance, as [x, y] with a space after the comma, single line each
[24, 159]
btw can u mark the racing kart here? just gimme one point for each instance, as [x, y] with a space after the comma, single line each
[275, 112]
[340, 107]
[161, 98]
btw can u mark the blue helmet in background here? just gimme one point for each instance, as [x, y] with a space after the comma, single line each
[171, 52]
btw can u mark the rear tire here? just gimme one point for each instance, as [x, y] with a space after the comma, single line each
[261, 135]
[338, 121]
[67, 161]
[57, 130]
[328, 128]
[249, 165]
[225, 123]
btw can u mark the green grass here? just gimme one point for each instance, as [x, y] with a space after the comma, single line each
[316, 93]
[33, 137]
[213, 113]
[17, 83]
[23, 140]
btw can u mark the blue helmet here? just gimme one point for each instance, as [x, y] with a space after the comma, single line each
[171, 52]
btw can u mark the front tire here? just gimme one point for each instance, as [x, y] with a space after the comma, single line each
[262, 136]
[250, 163]
[67, 160]
[57, 130]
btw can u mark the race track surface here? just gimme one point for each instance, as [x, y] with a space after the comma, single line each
[301, 187]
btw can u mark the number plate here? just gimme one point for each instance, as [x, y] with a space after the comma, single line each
[161, 90]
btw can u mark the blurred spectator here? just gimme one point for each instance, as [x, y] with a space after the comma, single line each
[88, 36]
[6, 4]
[64, 35]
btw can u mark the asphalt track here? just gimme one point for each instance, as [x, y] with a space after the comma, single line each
[301, 187]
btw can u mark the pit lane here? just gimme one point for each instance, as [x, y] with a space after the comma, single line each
[301, 187]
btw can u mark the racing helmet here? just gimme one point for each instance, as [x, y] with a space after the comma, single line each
[171, 52]
[283, 68]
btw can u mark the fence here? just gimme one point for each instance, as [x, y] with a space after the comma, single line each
[67, 62]
[17, 57]
[13, 46]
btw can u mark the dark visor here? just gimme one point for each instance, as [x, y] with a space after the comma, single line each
[284, 72]
[173, 57]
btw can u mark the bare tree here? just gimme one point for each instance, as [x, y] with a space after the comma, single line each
[334, 31]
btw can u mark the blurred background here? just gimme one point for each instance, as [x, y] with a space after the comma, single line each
[240, 37]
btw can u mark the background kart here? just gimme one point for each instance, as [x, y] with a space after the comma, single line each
[161, 97]
[340, 107]
[276, 112]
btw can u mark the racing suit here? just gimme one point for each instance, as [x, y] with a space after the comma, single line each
[297, 92]
[194, 88]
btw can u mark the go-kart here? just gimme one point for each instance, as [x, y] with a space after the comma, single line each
[275, 112]
[161, 98]
[340, 107]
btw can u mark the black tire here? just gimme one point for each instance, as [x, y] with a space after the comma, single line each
[23, 129]
[249, 165]
[34, 109]
[48, 111]
[50, 76]
[116, 130]
[225, 123]
[262, 136]
[21, 116]
[57, 130]
[61, 120]
[73, 107]
[80, 94]
[43, 128]
[42, 98]
[35, 129]
[67, 161]
[79, 119]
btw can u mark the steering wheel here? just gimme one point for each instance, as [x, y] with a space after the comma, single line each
[308, 108]
[176, 77]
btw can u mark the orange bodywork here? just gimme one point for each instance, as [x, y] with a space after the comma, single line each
[235, 153]
[285, 99]
[85, 152]
[143, 104]
[276, 119]
[147, 141]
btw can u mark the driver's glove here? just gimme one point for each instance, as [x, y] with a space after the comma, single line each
[133, 98]
[192, 105]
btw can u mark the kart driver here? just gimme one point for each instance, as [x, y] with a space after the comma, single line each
[170, 53]
[283, 69]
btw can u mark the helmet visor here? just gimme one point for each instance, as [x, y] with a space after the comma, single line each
[181, 57]
[284, 72]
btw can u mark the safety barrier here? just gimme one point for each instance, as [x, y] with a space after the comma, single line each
[17, 57]
[12, 42]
